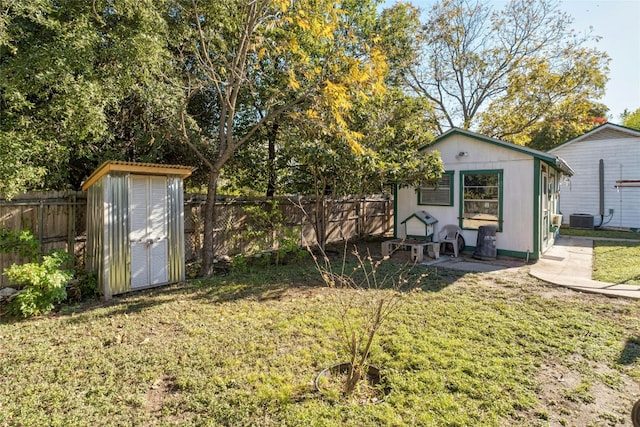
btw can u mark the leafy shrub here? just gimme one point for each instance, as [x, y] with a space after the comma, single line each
[19, 242]
[44, 284]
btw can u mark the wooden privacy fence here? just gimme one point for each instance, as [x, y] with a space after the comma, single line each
[58, 220]
[235, 225]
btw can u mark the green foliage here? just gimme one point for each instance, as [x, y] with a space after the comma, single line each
[240, 263]
[81, 82]
[19, 169]
[631, 119]
[19, 242]
[564, 124]
[393, 127]
[84, 287]
[271, 240]
[399, 29]
[44, 284]
[249, 65]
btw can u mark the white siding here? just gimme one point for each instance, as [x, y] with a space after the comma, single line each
[518, 205]
[621, 156]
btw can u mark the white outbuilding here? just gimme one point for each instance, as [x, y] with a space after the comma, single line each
[489, 182]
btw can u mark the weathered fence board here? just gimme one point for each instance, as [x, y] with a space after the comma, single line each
[58, 220]
[51, 216]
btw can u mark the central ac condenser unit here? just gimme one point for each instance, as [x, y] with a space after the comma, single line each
[581, 221]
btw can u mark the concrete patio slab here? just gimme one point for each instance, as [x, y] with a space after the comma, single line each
[569, 263]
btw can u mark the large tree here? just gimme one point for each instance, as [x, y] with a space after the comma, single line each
[229, 47]
[81, 82]
[498, 72]
[394, 126]
[564, 125]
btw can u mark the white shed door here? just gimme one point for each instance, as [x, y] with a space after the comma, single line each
[148, 230]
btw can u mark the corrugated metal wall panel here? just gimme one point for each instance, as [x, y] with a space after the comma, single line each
[95, 231]
[117, 260]
[175, 229]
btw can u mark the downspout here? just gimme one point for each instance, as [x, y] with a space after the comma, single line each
[601, 193]
[601, 190]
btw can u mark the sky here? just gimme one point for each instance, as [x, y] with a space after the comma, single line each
[617, 22]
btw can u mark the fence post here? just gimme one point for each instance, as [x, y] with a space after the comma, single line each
[359, 210]
[71, 224]
[41, 225]
[390, 214]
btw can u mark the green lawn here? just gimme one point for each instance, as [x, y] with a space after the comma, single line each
[243, 349]
[617, 262]
[611, 234]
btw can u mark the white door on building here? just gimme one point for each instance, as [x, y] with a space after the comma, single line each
[148, 230]
[545, 213]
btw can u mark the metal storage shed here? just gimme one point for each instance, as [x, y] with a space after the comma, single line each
[135, 225]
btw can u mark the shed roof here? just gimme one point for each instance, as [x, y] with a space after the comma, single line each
[134, 167]
[551, 159]
[604, 131]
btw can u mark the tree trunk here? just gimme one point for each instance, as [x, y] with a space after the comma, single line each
[208, 246]
[321, 219]
[354, 377]
[271, 161]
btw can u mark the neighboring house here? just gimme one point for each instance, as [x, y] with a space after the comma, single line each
[612, 152]
[490, 182]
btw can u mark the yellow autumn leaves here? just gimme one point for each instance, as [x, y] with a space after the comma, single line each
[328, 57]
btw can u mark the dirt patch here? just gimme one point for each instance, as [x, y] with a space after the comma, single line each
[159, 392]
[567, 398]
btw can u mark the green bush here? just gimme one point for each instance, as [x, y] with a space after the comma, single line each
[44, 284]
[19, 242]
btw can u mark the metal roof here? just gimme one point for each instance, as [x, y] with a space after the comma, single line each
[134, 167]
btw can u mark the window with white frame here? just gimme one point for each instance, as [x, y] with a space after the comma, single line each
[481, 198]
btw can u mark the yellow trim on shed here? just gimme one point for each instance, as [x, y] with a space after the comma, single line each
[132, 167]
